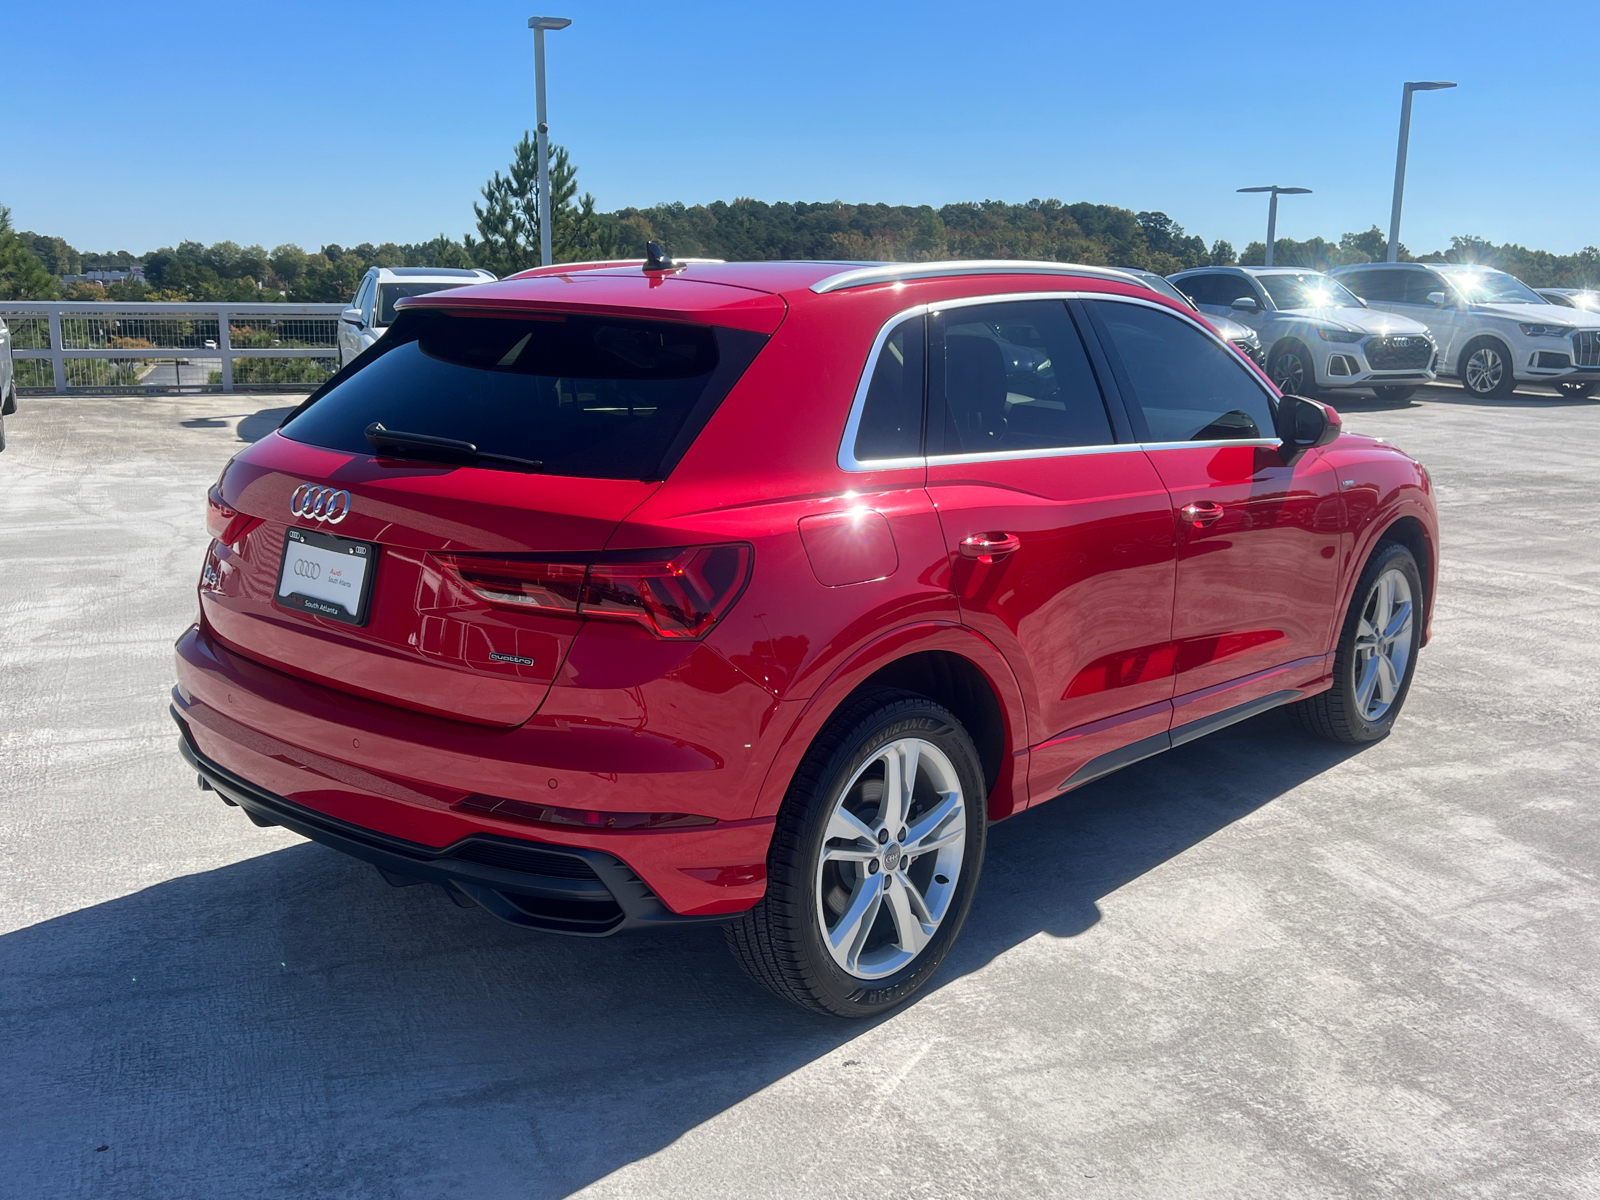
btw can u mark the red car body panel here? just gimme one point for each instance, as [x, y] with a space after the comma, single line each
[1116, 619]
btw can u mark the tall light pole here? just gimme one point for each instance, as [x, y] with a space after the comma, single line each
[539, 25]
[1400, 160]
[1272, 210]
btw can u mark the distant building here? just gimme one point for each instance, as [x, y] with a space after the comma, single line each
[103, 277]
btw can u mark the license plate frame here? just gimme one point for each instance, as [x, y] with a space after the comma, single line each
[327, 604]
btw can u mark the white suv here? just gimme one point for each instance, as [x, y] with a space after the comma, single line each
[372, 311]
[1316, 334]
[1493, 330]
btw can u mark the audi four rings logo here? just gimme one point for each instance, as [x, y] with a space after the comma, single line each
[307, 570]
[320, 503]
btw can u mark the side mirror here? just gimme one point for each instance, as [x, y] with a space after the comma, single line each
[1246, 304]
[1304, 425]
[352, 316]
[1438, 299]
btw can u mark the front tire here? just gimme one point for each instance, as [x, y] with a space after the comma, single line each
[1485, 369]
[1376, 656]
[874, 860]
[1291, 370]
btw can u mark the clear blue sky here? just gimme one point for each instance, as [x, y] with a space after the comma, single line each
[130, 126]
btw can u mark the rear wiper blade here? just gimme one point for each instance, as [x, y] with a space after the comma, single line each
[417, 445]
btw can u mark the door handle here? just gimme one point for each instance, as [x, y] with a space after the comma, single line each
[986, 547]
[1201, 513]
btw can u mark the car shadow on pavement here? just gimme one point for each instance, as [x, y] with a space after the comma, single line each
[257, 425]
[290, 1025]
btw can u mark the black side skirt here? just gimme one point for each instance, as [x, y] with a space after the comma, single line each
[1126, 756]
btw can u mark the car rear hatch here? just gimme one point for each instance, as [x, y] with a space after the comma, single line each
[384, 540]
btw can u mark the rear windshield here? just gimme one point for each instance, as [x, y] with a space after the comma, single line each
[597, 397]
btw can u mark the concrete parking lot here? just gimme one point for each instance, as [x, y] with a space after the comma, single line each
[1258, 966]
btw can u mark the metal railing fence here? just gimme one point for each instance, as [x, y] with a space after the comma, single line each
[66, 346]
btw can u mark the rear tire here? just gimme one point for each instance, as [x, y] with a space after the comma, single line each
[1291, 369]
[866, 892]
[1394, 395]
[1485, 369]
[1576, 390]
[1376, 656]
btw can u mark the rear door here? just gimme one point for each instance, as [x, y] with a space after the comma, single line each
[1258, 541]
[1058, 527]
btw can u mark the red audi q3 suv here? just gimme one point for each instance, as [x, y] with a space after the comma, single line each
[610, 596]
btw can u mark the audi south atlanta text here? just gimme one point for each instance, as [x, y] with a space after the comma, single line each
[622, 596]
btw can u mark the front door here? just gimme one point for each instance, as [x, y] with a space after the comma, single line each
[1258, 540]
[1059, 529]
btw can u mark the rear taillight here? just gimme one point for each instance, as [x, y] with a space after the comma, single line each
[521, 582]
[223, 521]
[675, 593]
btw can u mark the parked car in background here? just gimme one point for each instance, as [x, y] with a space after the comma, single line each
[1586, 298]
[8, 382]
[497, 606]
[1241, 337]
[1317, 335]
[372, 311]
[1493, 330]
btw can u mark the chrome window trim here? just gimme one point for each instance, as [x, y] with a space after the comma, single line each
[848, 461]
[900, 272]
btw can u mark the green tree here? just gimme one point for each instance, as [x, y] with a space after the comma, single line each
[508, 218]
[22, 275]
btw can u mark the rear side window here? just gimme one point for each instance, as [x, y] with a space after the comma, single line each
[1189, 387]
[891, 418]
[597, 397]
[1014, 376]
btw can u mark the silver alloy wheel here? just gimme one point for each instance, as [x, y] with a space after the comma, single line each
[891, 858]
[1383, 644]
[1291, 372]
[1485, 370]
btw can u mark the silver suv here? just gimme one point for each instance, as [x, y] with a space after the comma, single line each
[372, 311]
[1317, 335]
[1493, 330]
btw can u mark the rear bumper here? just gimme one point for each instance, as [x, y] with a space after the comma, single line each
[391, 778]
[557, 889]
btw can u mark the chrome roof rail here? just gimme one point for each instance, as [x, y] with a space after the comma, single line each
[899, 272]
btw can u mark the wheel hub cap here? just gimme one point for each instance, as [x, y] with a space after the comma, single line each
[1383, 645]
[891, 857]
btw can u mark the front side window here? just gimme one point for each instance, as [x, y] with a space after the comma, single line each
[1219, 290]
[1417, 286]
[600, 397]
[1383, 287]
[1310, 290]
[891, 418]
[1015, 377]
[1189, 387]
